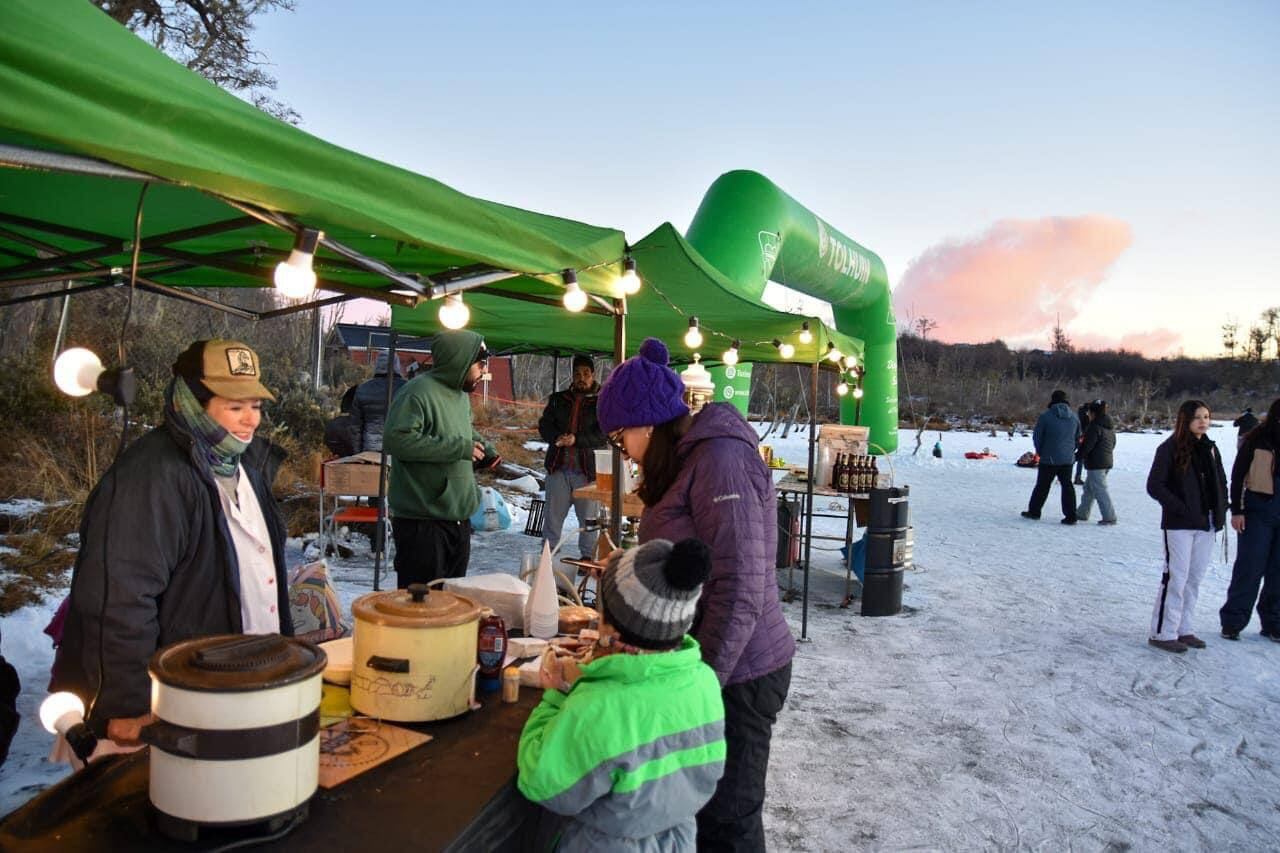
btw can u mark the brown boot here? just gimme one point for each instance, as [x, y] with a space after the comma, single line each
[1191, 641]
[1168, 645]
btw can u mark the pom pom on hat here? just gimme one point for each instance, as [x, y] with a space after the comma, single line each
[642, 391]
[650, 593]
[689, 564]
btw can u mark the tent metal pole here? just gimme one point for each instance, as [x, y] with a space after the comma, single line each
[50, 294]
[94, 272]
[619, 353]
[808, 522]
[166, 290]
[294, 309]
[380, 535]
[62, 320]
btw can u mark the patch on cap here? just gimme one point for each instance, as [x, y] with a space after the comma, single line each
[231, 370]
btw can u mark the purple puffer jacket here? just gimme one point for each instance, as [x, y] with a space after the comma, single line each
[724, 496]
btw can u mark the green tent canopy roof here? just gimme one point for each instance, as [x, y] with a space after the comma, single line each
[76, 82]
[674, 274]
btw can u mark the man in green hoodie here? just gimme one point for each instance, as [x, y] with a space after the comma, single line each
[435, 452]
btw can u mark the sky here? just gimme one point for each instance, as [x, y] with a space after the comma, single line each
[1108, 166]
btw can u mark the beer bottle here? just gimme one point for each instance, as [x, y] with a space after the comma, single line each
[875, 474]
[835, 471]
[844, 475]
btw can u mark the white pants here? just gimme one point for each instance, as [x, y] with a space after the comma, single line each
[1187, 555]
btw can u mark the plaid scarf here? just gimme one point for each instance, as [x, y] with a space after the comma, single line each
[212, 447]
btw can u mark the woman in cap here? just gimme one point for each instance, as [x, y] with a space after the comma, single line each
[184, 537]
[703, 478]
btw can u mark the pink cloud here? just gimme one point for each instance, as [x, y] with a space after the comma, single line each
[1153, 343]
[1015, 280]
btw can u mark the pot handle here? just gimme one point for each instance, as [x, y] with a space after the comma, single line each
[382, 664]
[173, 739]
[419, 592]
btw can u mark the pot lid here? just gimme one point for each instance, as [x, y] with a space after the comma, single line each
[416, 607]
[236, 662]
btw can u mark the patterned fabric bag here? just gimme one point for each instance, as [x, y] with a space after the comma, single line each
[313, 602]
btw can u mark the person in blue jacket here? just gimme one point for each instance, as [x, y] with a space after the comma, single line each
[1056, 436]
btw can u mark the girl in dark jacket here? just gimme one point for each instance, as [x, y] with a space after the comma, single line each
[184, 537]
[1097, 453]
[703, 478]
[1255, 516]
[1188, 481]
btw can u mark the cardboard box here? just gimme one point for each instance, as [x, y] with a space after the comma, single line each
[834, 439]
[353, 475]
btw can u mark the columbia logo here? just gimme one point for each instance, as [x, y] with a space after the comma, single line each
[733, 497]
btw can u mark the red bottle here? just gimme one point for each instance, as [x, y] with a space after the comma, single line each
[490, 652]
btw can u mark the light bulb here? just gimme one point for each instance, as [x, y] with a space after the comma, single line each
[842, 388]
[857, 392]
[295, 278]
[76, 372]
[574, 298]
[454, 313]
[806, 336]
[786, 350]
[60, 712]
[629, 283]
[693, 337]
[833, 355]
[730, 357]
[850, 361]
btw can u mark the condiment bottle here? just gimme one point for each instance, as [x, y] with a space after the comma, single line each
[491, 650]
[511, 684]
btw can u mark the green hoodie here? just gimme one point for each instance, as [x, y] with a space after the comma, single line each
[429, 436]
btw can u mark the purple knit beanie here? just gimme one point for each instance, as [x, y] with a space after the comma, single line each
[642, 391]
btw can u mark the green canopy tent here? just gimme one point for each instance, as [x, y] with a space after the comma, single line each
[90, 112]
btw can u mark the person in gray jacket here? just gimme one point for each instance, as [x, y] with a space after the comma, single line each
[1097, 452]
[1056, 435]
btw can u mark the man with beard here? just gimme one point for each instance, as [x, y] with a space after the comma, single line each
[568, 425]
[435, 452]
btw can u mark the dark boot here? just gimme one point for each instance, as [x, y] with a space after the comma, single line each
[1168, 645]
[1192, 641]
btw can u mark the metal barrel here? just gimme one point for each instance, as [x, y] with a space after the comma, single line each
[888, 551]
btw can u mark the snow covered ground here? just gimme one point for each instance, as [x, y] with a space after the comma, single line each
[1014, 704]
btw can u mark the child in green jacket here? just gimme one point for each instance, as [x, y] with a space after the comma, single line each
[631, 745]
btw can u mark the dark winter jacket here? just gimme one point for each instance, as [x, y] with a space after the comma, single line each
[1245, 423]
[430, 437]
[171, 568]
[1097, 450]
[572, 411]
[369, 408]
[1178, 492]
[724, 496]
[1255, 472]
[1056, 435]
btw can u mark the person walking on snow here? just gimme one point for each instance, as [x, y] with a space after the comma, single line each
[1056, 436]
[1187, 480]
[1097, 452]
[1083, 414]
[1255, 516]
[1244, 425]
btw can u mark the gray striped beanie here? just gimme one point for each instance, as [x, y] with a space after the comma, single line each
[649, 593]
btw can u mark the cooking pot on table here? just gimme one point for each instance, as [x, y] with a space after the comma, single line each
[235, 739]
[414, 656]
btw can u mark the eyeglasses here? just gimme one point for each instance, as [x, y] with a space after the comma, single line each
[615, 438]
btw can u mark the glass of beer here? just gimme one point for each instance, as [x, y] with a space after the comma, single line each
[604, 470]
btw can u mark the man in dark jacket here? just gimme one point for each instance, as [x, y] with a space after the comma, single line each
[1097, 452]
[369, 409]
[1056, 435]
[1244, 424]
[568, 425]
[435, 451]
[338, 431]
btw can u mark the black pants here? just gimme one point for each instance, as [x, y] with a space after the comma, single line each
[733, 819]
[428, 548]
[1044, 479]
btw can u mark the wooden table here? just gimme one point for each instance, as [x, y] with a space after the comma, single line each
[632, 506]
[454, 792]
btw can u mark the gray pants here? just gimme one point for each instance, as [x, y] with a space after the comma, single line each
[560, 486]
[1095, 488]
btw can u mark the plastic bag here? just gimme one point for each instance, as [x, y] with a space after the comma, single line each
[492, 514]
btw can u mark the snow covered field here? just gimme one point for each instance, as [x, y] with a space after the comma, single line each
[1014, 704]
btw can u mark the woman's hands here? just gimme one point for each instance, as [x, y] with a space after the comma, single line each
[126, 731]
[1237, 523]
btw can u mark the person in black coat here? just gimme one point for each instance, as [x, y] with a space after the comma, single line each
[1083, 413]
[183, 536]
[1244, 425]
[1097, 453]
[569, 427]
[1188, 481]
[1255, 516]
[369, 409]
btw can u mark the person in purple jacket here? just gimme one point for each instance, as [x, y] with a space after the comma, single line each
[703, 478]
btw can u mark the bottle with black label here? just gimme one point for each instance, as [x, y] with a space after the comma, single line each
[845, 474]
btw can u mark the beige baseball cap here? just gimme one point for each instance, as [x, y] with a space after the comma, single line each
[227, 368]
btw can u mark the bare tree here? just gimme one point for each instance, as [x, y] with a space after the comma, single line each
[212, 38]
[1229, 331]
[1258, 337]
[925, 325]
[1272, 318]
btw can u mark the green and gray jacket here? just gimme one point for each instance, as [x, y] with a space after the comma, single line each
[428, 434]
[631, 753]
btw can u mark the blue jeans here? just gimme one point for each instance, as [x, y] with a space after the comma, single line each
[1257, 561]
[1095, 488]
[560, 486]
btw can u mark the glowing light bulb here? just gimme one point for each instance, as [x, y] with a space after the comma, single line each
[785, 350]
[76, 372]
[806, 336]
[454, 313]
[833, 355]
[575, 299]
[60, 712]
[850, 361]
[842, 388]
[295, 277]
[693, 337]
[857, 392]
[730, 357]
[629, 283]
